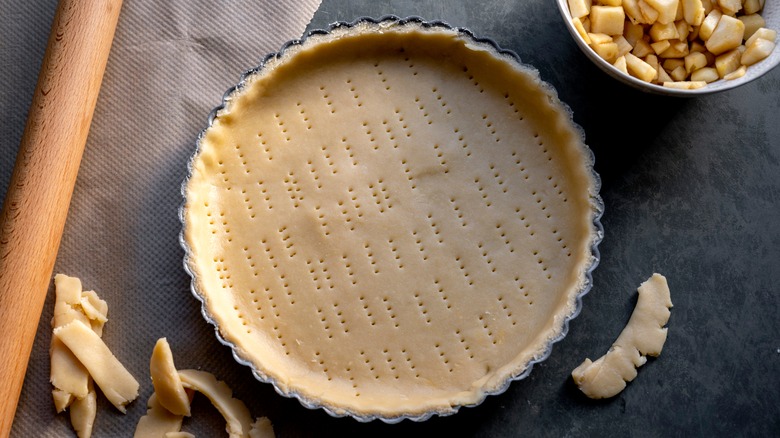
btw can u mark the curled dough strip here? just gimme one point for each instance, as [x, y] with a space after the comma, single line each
[643, 335]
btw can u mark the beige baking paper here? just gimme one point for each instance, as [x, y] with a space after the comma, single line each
[169, 66]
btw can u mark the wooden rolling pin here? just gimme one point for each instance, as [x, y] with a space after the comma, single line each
[38, 196]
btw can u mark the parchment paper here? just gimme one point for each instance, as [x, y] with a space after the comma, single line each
[169, 66]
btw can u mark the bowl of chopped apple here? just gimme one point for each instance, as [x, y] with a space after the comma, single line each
[677, 47]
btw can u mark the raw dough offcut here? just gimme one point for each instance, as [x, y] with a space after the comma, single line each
[644, 335]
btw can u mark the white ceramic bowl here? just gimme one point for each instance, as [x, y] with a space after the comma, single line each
[771, 14]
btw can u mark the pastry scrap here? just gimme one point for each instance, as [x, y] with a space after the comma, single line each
[69, 377]
[239, 420]
[83, 412]
[72, 383]
[158, 421]
[391, 220]
[116, 383]
[179, 435]
[262, 428]
[166, 381]
[173, 394]
[644, 335]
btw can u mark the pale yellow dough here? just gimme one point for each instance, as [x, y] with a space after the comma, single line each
[391, 222]
[83, 412]
[116, 383]
[179, 435]
[235, 412]
[262, 428]
[169, 384]
[158, 421]
[643, 335]
[72, 384]
[67, 374]
[166, 381]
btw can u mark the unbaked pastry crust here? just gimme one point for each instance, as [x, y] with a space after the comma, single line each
[390, 220]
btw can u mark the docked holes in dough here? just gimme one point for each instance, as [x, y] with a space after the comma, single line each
[643, 335]
[166, 381]
[118, 385]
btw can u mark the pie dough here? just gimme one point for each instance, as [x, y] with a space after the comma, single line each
[116, 383]
[644, 335]
[83, 412]
[390, 220]
[72, 383]
[158, 421]
[69, 377]
[166, 381]
[235, 412]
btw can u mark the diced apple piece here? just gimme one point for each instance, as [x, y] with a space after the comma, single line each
[758, 50]
[660, 46]
[684, 85]
[728, 62]
[632, 32]
[677, 49]
[751, 6]
[667, 9]
[695, 61]
[581, 29]
[696, 47]
[640, 69]
[679, 74]
[693, 34]
[600, 38]
[607, 19]
[726, 36]
[586, 24]
[604, 46]
[706, 74]
[623, 45]
[752, 23]
[610, 2]
[649, 14]
[683, 29]
[710, 58]
[680, 13]
[730, 7]
[608, 51]
[693, 11]
[708, 5]
[709, 24]
[763, 33]
[671, 64]
[579, 8]
[660, 32]
[642, 49]
[736, 74]
[633, 12]
[663, 76]
[652, 61]
[620, 64]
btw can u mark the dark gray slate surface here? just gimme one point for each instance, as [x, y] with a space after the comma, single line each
[692, 190]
